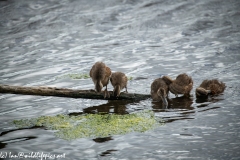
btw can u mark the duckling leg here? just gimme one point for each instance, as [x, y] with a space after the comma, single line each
[126, 89]
[106, 93]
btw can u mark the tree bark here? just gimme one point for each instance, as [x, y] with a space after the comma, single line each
[70, 93]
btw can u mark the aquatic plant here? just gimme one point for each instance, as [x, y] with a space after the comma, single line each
[130, 78]
[93, 125]
[81, 76]
[75, 76]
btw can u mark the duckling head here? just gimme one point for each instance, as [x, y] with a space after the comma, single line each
[201, 92]
[162, 94]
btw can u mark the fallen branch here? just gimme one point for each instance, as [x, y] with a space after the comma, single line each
[70, 93]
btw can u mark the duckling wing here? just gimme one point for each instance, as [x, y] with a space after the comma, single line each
[108, 71]
[217, 87]
[176, 89]
[183, 79]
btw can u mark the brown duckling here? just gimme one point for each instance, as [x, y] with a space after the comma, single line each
[119, 81]
[213, 87]
[100, 75]
[181, 85]
[159, 91]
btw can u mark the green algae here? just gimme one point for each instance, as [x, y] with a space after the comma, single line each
[82, 76]
[93, 125]
[130, 78]
[75, 76]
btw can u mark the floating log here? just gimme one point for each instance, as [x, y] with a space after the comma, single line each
[70, 93]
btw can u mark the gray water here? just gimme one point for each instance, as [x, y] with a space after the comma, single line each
[42, 40]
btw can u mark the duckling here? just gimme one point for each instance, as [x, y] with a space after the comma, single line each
[159, 91]
[213, 87]
[119, 81]
[181, 85]
[100, 75]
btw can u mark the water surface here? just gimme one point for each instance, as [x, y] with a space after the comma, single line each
[42, 40]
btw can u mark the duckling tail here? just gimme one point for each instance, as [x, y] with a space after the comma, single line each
[116, 91]
[99, 71]
[98, 86]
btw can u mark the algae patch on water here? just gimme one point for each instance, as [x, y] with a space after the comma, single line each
[75, 76]
[81, 76]
[93, 125]
[130, 78]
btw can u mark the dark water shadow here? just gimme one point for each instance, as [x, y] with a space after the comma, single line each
[181, 103]
[211, 99]
[178, 108]
[112, 106]
[107, 152]
[101, 140]
[203, 102]
[9, 131]
[174, 103]
[4, 143]
[182, 108]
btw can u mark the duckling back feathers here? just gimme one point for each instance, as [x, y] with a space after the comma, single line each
[98, 71]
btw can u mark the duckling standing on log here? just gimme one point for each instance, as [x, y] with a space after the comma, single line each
[213, 87]
[159, 91]
[119, 81]
[100, 75]
[181, 85]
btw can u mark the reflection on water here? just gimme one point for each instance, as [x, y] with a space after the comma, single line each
[175, 103]
[212, 99]
[41, 40]
[118, 107]
[101, 140]
[108, 152]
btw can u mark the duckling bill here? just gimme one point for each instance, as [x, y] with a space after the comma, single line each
[210, 87]
[119, 81]
[159, 91]
[100, 75]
